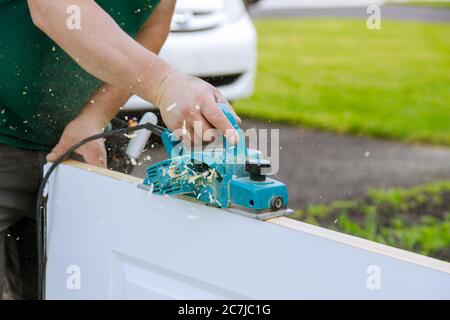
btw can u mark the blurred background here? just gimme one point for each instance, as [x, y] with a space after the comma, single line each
[363, 111]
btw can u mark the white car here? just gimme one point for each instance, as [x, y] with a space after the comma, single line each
[214, 40]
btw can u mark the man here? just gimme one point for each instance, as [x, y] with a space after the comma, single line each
[51, 96]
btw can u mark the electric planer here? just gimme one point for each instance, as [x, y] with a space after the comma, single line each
[231, 176]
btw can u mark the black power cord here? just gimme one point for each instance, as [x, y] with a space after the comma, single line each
[41, 214]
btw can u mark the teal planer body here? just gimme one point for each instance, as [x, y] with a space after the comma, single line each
[230, 176]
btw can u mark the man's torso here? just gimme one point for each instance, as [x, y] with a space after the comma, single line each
[41, 87]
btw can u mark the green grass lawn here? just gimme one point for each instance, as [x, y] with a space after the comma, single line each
[337, 75]
[416, 219]
[439, 4]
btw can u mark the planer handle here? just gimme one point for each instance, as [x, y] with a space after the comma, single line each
[170, 141]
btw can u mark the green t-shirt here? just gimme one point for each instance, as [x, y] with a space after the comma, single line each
[41, 87]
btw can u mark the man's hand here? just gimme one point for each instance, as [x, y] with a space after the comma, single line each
[184, 100]
[94, 152]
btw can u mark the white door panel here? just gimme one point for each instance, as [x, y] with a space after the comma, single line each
[109, 239]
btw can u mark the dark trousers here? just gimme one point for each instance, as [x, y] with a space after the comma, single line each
[20, 176]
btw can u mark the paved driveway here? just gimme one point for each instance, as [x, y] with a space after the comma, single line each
[290, 8]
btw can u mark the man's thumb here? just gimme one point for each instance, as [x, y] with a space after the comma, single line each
[51, 157]
[55, 153]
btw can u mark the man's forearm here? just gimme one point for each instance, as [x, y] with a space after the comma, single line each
[102, 48]
[108, 53]
[108, 99]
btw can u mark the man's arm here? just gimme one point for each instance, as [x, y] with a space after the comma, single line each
[108, 99]
[101, 47]
[105, 51]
